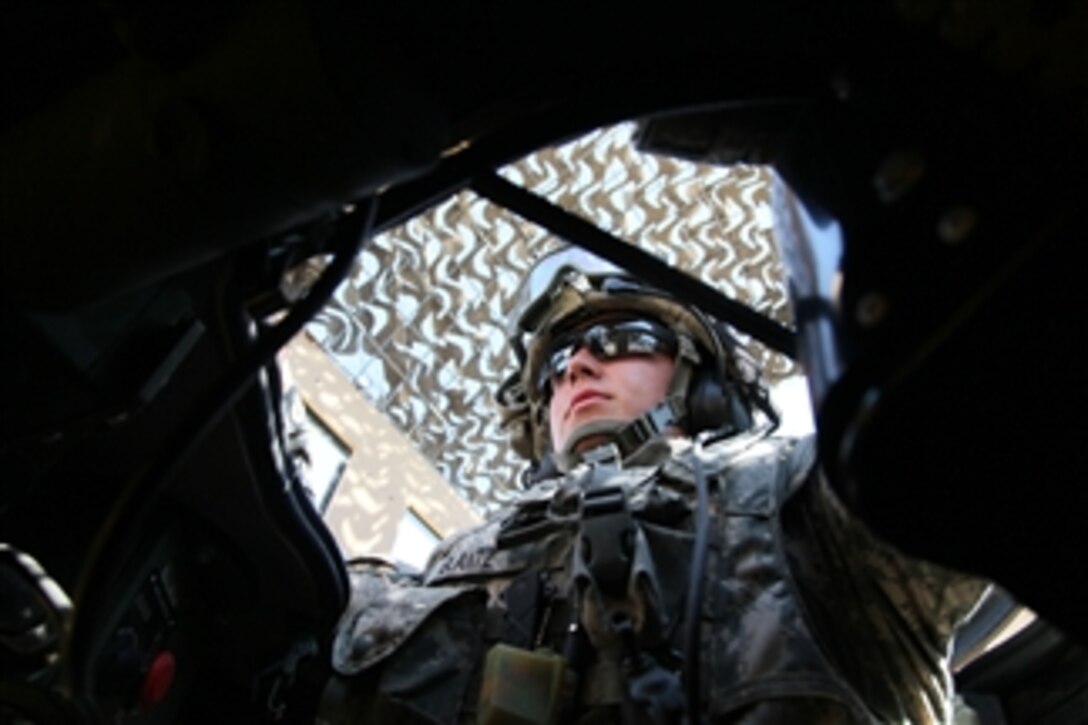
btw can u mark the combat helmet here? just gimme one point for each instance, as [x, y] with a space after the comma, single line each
[715, 383]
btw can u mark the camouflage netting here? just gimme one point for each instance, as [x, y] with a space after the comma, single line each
[419, 325]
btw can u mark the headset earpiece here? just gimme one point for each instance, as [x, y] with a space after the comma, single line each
[714, 403]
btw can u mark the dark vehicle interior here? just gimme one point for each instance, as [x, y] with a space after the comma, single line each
[165, 163]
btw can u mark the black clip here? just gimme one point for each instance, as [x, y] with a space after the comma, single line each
[607, 538]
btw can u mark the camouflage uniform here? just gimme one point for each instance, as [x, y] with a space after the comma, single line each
[805, 617]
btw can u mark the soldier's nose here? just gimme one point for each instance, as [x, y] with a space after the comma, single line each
[582, 364]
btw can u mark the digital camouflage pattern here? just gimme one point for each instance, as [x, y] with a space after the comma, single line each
[806, 617]
[386, 607]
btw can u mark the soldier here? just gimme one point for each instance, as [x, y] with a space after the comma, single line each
[670, 561]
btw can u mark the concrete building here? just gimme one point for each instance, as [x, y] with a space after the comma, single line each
[380, 496]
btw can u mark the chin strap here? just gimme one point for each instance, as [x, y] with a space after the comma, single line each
[624, 438]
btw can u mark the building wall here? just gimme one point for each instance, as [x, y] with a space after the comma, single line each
[385, 475]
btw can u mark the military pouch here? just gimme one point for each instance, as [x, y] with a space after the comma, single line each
[520, 687]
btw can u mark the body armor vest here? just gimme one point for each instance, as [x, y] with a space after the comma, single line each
[589, 575]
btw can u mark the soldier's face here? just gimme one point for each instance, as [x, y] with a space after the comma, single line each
[618, 389]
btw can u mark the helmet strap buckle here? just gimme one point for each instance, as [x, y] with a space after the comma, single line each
[607, 454]
[658, 419]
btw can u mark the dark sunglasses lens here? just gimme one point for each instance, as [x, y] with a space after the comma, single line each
[642, 337]
[555, 365]
[606, 341]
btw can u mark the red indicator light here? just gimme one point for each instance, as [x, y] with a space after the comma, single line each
[157, 681]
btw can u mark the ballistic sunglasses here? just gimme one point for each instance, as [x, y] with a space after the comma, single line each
[605, 341]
